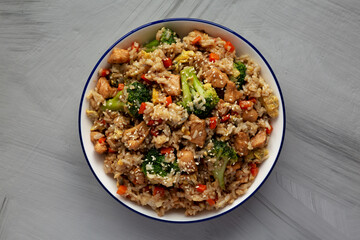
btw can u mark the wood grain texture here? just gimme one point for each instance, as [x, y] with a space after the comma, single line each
[48, 49]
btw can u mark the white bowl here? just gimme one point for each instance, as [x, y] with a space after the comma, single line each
[182, 26]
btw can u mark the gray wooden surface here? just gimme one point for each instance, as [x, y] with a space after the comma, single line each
[47, 50]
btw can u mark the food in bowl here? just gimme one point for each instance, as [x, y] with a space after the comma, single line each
[183, 123]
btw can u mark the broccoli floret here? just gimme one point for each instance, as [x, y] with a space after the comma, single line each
[137, 94]
[223, 154]
[239, 73]
[168, 36]
[157, 165]
[114, 104]
[151, 46]
[198, 98]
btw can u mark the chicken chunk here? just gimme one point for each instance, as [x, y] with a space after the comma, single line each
[95, 136]
[100, 147]
[136, 176]
[172, 86]
[104, 88]
[119, 56]
[250, 115]
[259, 140]
[197, 130]
[241, 143]
[217, 78]
[135, 136]
[186, 161]
[231, 93]
[223, 108]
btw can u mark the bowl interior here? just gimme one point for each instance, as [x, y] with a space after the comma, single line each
[182, 27]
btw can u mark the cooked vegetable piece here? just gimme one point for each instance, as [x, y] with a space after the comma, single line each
[168, 36]
[151, 46]
[271, 104]
[198, 98]
[154, 163]
[239, 73]
[137, 93]
[223, 154]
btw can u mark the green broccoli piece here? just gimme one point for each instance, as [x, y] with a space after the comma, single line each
[192, 90]
[223, 154]
[151, 46]
[168, 36]
[239, 73]
[137, 94]
[114, 104]
[157, 165]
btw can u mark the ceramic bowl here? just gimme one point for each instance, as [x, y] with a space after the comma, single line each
[182, 26]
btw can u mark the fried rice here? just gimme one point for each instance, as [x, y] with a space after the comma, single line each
[162, 152]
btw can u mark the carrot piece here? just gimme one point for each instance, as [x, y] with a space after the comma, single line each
[159, 190]
[229, 47]
[211, 202]
[168, 101]
[254, 169]
[196, 40]
[121, 86]
[121, 190]
[142, 108]
[213, 57]
[102, 140]
[200, 188]
[213, 122]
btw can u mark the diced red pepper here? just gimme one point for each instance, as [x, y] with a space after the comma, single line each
[121, 190]
[121, 86]
[213, 57]
[269, 130]
[196, 40]
[225, 118]
[159, 190]
[254, 169]
[154, 132]
[200, 188]
[246, 104]
[102, 140]
[229, 47]
[166, 150]
[103, 122]
[104, 72]
[135, 45]
[143, 77]
[213, 122]
[167, 62]
[168, 101]
[142, 108]
[211, 202]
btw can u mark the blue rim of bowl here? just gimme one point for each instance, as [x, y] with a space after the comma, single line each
[189, 20]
